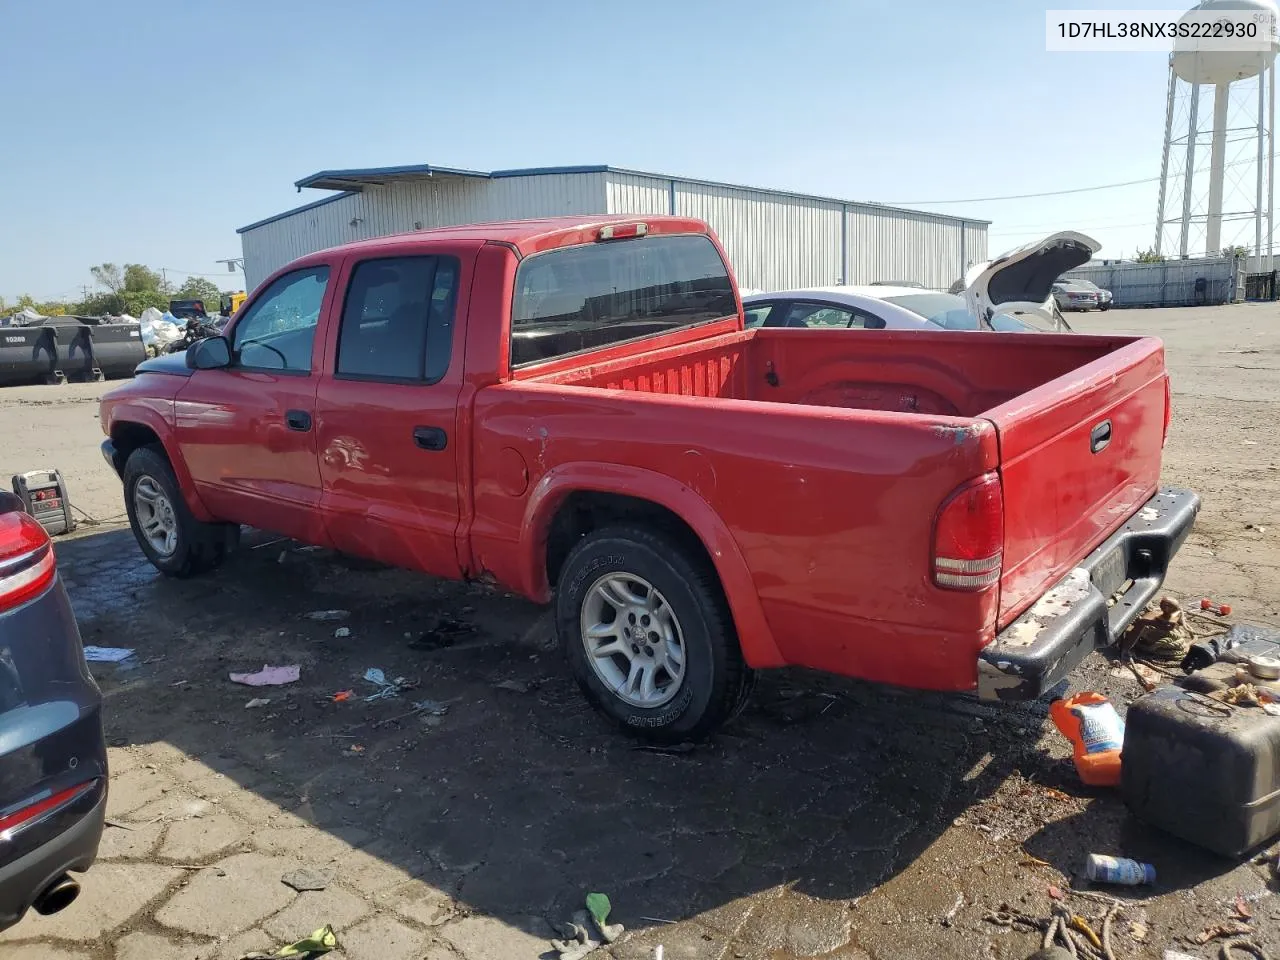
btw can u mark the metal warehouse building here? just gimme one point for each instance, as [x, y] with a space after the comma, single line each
[775, 239]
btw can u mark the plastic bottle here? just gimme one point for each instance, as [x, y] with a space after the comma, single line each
[1121, 870]
[1092, 725]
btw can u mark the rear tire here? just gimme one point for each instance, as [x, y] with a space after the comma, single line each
[176, 543]
[676, 671]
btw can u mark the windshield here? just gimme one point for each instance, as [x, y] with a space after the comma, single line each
[944, 309]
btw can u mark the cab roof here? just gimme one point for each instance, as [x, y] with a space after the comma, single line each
[527, 236]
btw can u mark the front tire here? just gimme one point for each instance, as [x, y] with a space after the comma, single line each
[648, 635]
[176, 543]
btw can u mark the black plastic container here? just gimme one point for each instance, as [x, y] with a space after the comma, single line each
[1201, 769]
[75, 348]
[27, 355]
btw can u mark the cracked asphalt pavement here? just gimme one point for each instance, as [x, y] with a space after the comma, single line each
[834, 819]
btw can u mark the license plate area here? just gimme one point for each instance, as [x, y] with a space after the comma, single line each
[1109, 573]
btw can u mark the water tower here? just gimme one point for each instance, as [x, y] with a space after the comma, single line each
[1204, 209]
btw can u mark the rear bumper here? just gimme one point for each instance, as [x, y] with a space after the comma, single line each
[72, 849]
[1091, 606]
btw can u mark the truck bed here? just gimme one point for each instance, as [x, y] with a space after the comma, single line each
[1044, 394]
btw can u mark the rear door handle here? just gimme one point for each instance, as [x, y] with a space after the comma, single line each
[1100, 436]
[430, 438]
[298, 420]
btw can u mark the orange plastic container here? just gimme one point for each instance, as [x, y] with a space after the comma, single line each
[1096, 732]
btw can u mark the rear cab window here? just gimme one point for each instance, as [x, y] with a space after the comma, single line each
[580, 298]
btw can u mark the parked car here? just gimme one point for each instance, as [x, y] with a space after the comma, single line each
[871, 308]
[1069, 295]
[53, 759]
[1104, 296]
[573, 410]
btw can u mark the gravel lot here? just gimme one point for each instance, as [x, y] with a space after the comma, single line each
[833, 819]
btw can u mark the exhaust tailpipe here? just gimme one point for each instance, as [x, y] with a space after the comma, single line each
[57, 896]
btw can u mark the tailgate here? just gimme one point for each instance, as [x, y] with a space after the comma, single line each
[1079, 455]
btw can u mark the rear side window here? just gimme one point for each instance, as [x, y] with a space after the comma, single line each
[584, 297]
[397, 321]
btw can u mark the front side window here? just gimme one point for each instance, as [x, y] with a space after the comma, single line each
[277, 330]
[583, 297]
[398, 319]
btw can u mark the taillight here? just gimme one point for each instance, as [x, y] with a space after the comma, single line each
[35, 810]
[622, 231]
[1168, 410]
[26, 559]
[968, 536]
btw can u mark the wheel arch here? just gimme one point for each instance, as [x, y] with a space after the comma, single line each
[574, 499]
[140, 427]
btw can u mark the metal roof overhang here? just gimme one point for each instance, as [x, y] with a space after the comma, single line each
[357, 180]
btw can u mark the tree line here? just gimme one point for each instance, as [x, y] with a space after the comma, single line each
[130, 289]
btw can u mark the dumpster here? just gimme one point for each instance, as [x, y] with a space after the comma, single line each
[75, 348]
[117, 348]
[28, 355]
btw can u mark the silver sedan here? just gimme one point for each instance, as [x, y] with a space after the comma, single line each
[878, 307]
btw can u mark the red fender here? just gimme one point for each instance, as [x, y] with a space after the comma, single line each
[147, 416]
[754, 635]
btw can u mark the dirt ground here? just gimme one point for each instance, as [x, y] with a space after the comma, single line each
[833, 819]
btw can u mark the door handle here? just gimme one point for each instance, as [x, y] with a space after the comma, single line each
[1100, 436]
[430, 438]
[298, 420]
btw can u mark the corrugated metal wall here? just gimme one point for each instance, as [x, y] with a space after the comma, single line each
[779, 241]
[775, 241]
[1168, 284]
[414, 205]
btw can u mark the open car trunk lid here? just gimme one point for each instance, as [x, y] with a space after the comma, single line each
[1020, 282]
[1079, 456]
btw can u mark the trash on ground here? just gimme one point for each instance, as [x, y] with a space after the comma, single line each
[1243, 910]
[107, 654]
[326, 615]
[342, 696]
[1160, 633]
[1221, 609]
[1118, 870]
[269, 676]
[309, 878]
[515, 686]
[1233, 928]
[1096, 732]
[342, 633]
[386, 688]
[445, 632]
[950, 916]
[319, 943]
[257, 702]
[431, 707]
[1177, 955]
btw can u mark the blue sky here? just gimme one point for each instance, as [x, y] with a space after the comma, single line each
[147, 132]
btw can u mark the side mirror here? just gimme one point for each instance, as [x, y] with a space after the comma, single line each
[210, 353]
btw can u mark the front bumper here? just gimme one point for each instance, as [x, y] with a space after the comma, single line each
[1091, 606]
[112, 456]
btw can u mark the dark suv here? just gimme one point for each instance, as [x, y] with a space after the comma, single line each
[53, 759]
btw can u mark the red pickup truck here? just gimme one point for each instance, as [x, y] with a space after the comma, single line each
[574, 411]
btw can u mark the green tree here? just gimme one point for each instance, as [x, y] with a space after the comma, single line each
[48, 308]
[198, 288]
[1235, 251]
[1149, 256]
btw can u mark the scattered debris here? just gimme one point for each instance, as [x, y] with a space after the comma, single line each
[107, 654]
[1229, 950]
[445, 632]
[670, 748]
[1118, 870]
[950, 917]
[319, 943]
[432, 708]
[1055, 893]
[1160, 633]
[1030, 861]
[269, 676]
[515, 686]
[1138, 931]
[257, 702]
[1221, 609]
[1233, 928]
[342, 696]
[342, 633]
[356, 748]
[386, 688]
[1242, 695]
[580, 934]
[1243, 910]
[309, 878]
[325, 616]
[1177, 955]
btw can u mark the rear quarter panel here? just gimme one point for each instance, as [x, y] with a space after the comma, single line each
[830, 511]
